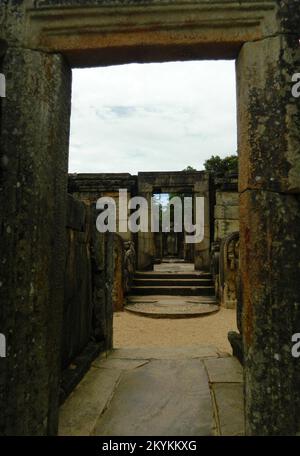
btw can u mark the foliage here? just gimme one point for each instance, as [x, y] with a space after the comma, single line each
[218, 165]
[189, 168]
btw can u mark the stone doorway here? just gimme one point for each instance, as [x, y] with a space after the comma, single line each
[40, 42]
[171, 245]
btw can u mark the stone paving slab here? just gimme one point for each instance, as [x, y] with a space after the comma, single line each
[78, 415]
[120, 364]
[230, 408]
[165, 353]
[224, 370]
[163, 397]
[157, 391]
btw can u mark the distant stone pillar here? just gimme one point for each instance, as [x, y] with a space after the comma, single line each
[269, 147]
[202, 249]
[34, 162]
[146, 241]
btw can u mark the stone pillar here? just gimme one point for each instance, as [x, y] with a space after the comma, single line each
[269, 147]
[146, 241]
[202, 249]
[33, 181]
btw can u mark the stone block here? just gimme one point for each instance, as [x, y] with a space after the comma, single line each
[270, 270]
[118, 279]
[80, 412]
[224, 227]
[76, 214]
[224, 370]
[175, 392]
[230, 406]
[227, 198]
[268, 115]
[227, 212]
[164, 353]
[34, 150]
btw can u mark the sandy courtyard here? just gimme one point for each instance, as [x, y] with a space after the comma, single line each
[137, 331]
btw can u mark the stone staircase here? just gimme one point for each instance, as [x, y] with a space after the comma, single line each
[172, 284]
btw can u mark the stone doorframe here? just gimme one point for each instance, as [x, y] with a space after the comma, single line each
[41, 41]
[174, 182]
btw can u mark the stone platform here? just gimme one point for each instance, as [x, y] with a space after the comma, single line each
[192, 391]
[171, 306]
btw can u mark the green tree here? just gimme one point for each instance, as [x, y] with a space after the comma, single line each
[218, 165]
[189, 168]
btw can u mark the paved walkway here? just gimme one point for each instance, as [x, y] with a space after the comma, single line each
[193, 391]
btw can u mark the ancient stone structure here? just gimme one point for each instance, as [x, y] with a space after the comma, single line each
[90, 187]
[91, 286]
[228, 270]
[129, 265]
[224, 251]
[226, 209]
[191, 183]
[40, 42]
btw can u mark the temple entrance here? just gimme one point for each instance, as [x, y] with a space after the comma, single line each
[40, 43]
[171, 245]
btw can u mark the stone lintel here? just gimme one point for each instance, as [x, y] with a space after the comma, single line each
[104, 33]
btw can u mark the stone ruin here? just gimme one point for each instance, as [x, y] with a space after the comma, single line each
[40, 41]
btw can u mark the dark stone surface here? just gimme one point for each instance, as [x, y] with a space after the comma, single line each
[33, 183]
[163, 397]
[78, 302]
[72, 375]
[236, 342]
[270, 271]
[103, 275]
[89, 278]
[76, 214]
[268, 115]
[92, 185]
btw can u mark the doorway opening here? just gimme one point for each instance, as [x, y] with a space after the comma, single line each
[149, 128]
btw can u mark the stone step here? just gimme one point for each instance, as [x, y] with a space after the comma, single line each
[150, 282]
[174, 291]
[169, 275]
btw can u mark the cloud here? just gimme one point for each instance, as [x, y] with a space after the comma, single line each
[152, 117]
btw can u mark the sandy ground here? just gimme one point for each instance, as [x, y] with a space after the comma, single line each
[137, 331]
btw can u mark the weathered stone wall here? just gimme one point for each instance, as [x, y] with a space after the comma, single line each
[43, 39]
[228, 271]
[226, 210]
[195, 184]
[90, 187]
[33, 184]
[87, 317]
[118, 281]
[78, 303]
[129, 265]
[224, 251]
[269, 185]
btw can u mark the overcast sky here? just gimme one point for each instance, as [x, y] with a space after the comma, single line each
[152, 117]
